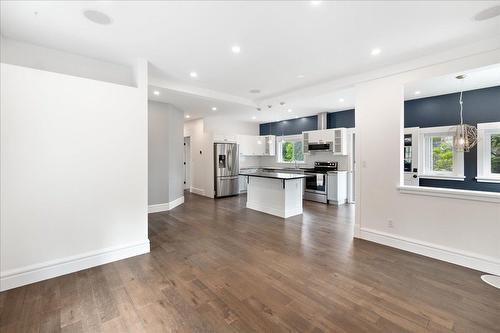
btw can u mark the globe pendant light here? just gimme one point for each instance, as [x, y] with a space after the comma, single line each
[465, 135]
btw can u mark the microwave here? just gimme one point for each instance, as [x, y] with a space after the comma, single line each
[318, 146]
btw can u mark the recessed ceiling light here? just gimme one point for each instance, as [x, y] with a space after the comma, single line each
[214, 108]
[156, 92]
[97, 17]
[315, 3]
[193, 74]
[254, 117]
[300, 76]
[341, 100]
[289, 110]
[254, 91]
[236, 49]
[376, 51]
[295, 117]
[417, 92]
[188, 116]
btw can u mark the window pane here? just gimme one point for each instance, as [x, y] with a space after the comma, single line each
[442, 153]
[495, 153]
[297, 151]
[287, 151]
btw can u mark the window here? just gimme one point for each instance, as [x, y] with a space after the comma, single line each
[488, 152]
[442, 153]
[290, 148]
[438, 158]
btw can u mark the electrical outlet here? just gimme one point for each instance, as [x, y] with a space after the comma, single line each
[390, 223]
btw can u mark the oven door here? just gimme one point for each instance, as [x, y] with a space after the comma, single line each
[316, 182]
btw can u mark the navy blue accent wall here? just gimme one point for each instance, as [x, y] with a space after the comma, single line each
[480, 106]
[297, 126]
[290, 126]
[340, 119]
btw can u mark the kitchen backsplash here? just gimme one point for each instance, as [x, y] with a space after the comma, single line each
[270, 161]
[250, 161]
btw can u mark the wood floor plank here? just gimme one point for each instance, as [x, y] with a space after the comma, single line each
[216, 266]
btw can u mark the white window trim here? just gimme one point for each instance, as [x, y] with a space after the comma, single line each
[484, 132]
[280, 139]
[458, 157]
[451, 193]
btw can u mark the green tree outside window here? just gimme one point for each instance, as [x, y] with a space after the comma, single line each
[495, 153]
[291, 151]
[298, 155]
[287, 151]
[442, 153]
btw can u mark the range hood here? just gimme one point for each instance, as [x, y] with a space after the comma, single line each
[316, 144]
[322, 121]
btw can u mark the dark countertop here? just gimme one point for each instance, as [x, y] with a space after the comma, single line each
[274, 175]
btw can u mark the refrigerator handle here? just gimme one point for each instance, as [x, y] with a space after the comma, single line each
[229, 162]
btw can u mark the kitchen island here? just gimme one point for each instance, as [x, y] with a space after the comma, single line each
[275, 193]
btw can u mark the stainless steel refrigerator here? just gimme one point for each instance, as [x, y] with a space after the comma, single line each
[226, 166]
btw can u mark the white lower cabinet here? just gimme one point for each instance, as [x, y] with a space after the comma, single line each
[243, 184]
[337, 187]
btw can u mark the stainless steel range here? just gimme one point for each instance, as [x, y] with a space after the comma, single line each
[317, 181]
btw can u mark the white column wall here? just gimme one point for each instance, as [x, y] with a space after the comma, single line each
[73, 174]
[461, 231]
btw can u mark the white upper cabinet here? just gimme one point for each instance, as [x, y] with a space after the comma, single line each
[270, 145]
[225, 138]
[337, 137]
[340, 141]
[253, 145]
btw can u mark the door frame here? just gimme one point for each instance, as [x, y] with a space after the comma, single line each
[187, 163]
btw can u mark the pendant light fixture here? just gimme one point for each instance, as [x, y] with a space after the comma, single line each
[465, 135]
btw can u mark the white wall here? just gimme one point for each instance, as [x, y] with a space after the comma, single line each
[34, 56]
[166, 155]
[73, 176]
[457, 230]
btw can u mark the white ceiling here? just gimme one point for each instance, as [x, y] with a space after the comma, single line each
[474, 79]
[279, 40]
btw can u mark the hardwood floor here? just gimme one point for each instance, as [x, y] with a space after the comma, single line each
[216, 266]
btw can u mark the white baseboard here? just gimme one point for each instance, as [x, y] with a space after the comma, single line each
[165, 206]
[50, 269]
[274, 211]
[454, 256]
[197, 190]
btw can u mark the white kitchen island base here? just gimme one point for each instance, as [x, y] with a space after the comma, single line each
[275, 194]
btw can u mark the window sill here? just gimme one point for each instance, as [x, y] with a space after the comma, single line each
[488, 180]
[443, 177]
[450, 193]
